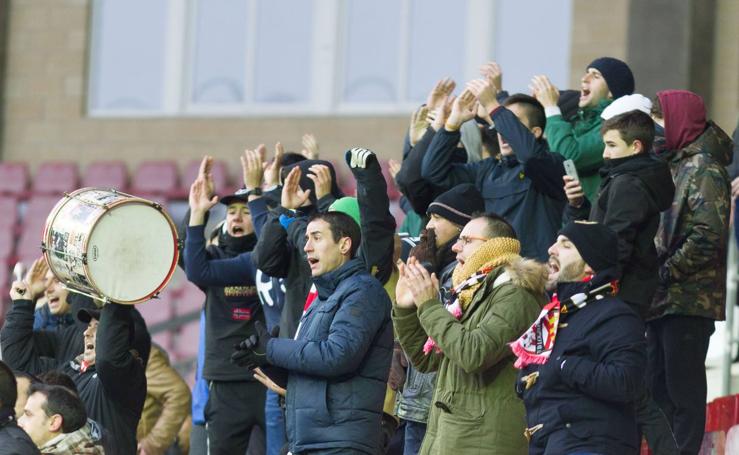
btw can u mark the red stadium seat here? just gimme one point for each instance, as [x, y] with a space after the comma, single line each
[191, 299]
[155, 179]
[157, 310]
[221, 178]
[106, 174]
[7, 244]
[186, 345]
[56, 178]
[9, 210]
[14, 179]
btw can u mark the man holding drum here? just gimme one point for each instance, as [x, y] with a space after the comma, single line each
[109, 370]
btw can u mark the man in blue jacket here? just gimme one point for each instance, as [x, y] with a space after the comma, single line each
[339, 361]
[525, 184]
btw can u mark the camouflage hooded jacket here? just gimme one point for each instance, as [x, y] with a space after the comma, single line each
[693, 233]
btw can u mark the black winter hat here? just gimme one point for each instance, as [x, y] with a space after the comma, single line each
[458, 204]
[596, 243]
[617, 74]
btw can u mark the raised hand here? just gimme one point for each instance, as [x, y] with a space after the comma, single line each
[440, 93]
[419, 124]
[272, 170]
[205, 173]
[573, 191]
[321, 176]
[441, 114]
[544, 91]
[310, 147]
[200, 202]
[36, 278]
[292, 195]
[463, 109]
[394, 168]
[492, 72]
[252, 167]
[422, 285]
[484, 91]
[403, 295]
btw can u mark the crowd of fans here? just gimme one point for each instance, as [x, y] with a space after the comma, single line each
[551, 290]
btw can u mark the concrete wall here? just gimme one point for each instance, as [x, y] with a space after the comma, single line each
[46, 70]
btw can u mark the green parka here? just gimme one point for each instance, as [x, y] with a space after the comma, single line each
[578, 139]
[475, 409]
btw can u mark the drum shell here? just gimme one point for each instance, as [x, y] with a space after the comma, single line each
[72, 224]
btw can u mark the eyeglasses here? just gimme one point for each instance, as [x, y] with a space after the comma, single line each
[467, 239]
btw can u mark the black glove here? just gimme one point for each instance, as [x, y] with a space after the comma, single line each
[425, 251]
[252, 352]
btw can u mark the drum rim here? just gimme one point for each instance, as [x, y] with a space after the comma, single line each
[129, 199]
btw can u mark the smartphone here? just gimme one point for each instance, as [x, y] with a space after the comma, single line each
[571, 170]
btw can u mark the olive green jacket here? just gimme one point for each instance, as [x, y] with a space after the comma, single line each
[475, 409]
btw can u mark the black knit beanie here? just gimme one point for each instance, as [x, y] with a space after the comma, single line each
[458, 204]
[596, 243]
[617, 74]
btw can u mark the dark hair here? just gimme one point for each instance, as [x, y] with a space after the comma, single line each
[632, 126]
[657, 107]
[496, 225]
[8, 388]
[289, 158]
[60, 400]
[341, 225]
[532, 108]
[57, 377]
[490, 140]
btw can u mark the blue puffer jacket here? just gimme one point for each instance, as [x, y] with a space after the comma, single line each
[338, 364]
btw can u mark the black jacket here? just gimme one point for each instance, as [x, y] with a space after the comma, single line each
[525, 188]
[588, 404]
[13, 440]
[230, 311]
[633, 191]
[113, 389]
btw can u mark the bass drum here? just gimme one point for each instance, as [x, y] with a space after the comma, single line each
[110, 245]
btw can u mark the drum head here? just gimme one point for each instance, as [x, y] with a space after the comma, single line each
[131, 252]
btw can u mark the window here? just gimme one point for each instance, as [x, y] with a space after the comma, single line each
[310, 57]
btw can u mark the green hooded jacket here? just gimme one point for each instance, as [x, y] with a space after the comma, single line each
[578, 139]
[475, 409]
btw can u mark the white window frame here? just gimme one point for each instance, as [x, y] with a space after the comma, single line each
[327, 67]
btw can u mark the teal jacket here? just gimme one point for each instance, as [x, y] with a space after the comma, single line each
[578, 139]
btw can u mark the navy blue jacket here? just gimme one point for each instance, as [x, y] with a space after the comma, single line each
[526, 188]
[338, 364]
[588, 404]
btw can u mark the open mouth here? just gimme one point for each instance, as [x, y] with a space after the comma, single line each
[584, 93]
[553, 267]
[53, 300]
[238, 230]
[89, 346]
[312, 261]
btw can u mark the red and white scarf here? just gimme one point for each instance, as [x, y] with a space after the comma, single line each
[536, 344]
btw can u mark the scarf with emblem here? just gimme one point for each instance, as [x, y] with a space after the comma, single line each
[467, 277]
[536, 344]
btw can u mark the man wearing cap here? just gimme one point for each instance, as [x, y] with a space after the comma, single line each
[235, 400]
[578, 138]
[582, 361]
[110, 371]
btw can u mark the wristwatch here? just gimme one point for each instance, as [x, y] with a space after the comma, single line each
[253, 192]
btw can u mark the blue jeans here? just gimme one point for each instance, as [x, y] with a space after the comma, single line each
[414, 433]
[274, 420]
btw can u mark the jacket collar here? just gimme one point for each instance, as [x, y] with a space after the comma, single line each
[327, 283]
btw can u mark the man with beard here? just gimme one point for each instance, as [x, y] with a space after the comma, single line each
[236, 401]
[582, 362]
[495, 297]
[447, 214]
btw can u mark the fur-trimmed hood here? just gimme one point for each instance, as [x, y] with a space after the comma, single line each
[528, 274]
